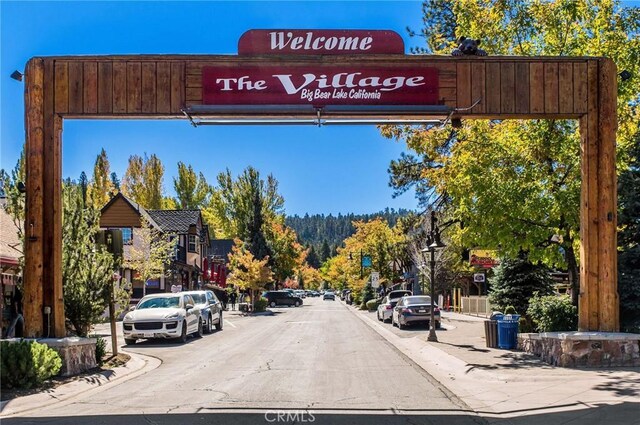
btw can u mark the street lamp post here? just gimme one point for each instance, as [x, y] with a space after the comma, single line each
[434, 244]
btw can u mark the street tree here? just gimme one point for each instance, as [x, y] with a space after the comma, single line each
[100, 188]
[234, 201]
[192, 190]
[629, 242]
[247, 272]
[143, 181]
[10, 185]
[288, 256]
[150, 253]
[87, 269]
[515, 185]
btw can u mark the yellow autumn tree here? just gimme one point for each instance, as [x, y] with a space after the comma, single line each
[248, 273]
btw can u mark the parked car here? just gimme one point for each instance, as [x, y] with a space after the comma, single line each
[163, 316]
[210, 309]
[300, 293]
[276, 298]
[329, 296]
[412, 309]
[385, 309]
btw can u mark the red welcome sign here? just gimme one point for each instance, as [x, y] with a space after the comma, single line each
[320, 42]
[319, 85]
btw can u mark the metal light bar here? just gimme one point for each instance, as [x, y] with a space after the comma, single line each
[329, 109]
[328, 115]
[314, 121]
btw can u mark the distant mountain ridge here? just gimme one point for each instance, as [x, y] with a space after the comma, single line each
[317, 228]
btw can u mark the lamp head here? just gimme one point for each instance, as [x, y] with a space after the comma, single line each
[437, 243]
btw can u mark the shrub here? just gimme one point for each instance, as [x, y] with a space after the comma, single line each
[552, 313]
[260, 305]
[26, 364]
[101, 349]
[372, 304]
[363, 306]
[510, 310]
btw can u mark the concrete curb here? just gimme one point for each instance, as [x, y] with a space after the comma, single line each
[139, 364]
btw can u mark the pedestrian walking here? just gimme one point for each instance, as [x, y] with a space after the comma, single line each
[232, 299]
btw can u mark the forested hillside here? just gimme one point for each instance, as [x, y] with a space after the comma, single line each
[317, 229]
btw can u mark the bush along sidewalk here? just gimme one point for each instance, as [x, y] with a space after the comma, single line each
[27, 364]
[553, 313]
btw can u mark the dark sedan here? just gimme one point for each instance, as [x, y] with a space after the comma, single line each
[276, 298]
[415, 308]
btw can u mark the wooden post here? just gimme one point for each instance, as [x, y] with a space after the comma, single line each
[43, 227]
[598, 303]
[34, 201]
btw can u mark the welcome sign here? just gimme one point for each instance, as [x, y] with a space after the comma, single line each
[320, 42]
[284, 84]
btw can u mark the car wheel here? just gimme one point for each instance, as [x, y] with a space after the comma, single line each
[219, 324]
[129, 341]
[209, 327]
[199, 332]
[273, 304]
[297, 304]
[183, 336]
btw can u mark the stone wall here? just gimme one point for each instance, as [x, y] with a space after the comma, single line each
[583, 349]
[78, 354]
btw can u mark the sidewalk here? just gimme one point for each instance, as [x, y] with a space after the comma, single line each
[136, 366]
[511, 387]
[84, 384]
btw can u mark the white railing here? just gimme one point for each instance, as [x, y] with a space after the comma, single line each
[475, 305]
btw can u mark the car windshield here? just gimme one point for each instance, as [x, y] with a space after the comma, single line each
[164, 302]
[398, 295]
[199, 298]
[418, 300]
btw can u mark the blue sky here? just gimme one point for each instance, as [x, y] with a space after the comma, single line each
[320, 170]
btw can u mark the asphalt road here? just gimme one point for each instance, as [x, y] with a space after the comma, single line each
[314, 364]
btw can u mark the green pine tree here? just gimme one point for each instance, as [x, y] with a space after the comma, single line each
[87, 269]
[515, 281]
[325, 251]
[629, 243]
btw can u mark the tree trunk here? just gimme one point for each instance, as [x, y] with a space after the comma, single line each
[574, 272]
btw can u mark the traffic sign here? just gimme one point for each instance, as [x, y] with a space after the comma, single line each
[375, 280]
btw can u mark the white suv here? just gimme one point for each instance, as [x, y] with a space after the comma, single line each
[162, 316]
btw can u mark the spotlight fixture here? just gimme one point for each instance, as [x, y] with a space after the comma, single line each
[625, 75]
[16, 75]
[456, 123]
[22, 188]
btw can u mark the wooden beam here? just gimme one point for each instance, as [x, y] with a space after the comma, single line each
[598, 303]
[607, 197]
[34, 202]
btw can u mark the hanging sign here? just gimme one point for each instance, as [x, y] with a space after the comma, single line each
[320, 42]
[483, 258]
[319, 85]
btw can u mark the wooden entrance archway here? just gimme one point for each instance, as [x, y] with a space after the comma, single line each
[160, 87]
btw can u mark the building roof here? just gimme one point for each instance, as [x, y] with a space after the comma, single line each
[10, 243]
[175, 221]
[133, 205]
[221, 248]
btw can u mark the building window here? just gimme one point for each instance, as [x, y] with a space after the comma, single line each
[127, 234]
[192, 243]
